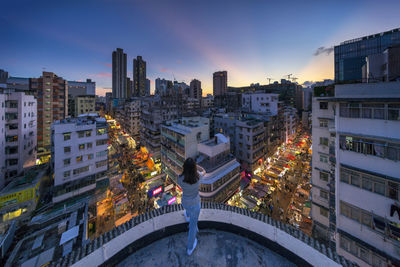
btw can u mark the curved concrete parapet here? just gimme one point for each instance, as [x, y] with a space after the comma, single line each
[116, 245]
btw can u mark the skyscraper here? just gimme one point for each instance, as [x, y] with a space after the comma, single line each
[195, 89]
[119, 74]
[139, 76]
[147, 87]
[220, 83]
[350, 55]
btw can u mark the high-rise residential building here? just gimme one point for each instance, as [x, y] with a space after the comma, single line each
[79, 156]
[161, 86]
[129, 86]
[260, 103]
[51, 93]
[131, 117]
[147, 87]
[18, 142]
[220, 83]
[181, 88]
[355, 177]
[179, 139]
[350, 56]
[81, 97]
[119, 89]
[247, 137]
[139, 76]
[195, 89]
[155, 110]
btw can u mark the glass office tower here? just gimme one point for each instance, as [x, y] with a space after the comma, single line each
[350, 55]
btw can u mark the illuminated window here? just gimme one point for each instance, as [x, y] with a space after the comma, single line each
[79, 159]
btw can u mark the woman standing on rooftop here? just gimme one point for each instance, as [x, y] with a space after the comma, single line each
[189, 182]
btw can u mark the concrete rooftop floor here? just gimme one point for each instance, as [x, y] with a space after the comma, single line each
[214, 248]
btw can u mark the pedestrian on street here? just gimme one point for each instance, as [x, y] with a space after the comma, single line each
[189, 182]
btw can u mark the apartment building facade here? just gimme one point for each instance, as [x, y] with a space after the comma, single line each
[219, 170]
[79, 156]
[155, 110]
[51, 93]
[363, 170]
[179, 139]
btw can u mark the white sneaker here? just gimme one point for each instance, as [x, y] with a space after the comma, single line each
[189, 252]
[187, 217]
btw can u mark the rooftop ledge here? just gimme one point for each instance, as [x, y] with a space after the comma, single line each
[115, 246]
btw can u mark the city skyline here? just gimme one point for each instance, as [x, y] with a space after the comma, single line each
[191, 40]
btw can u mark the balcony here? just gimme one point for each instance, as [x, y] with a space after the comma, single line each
[331, 126]
[152, 236]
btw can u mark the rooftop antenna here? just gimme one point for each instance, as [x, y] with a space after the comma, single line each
[269, 80]
[288, 76]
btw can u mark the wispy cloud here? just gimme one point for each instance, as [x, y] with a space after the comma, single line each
[107, 64]
[101, 75]
[179, 61]
[323, 50]
[164, 70]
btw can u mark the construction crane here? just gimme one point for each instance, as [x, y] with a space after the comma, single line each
[294, 79]
[269, 80]
[288, 76]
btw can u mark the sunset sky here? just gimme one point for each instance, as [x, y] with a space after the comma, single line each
[189, 39]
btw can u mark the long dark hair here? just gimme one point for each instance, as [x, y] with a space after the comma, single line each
[190, 171]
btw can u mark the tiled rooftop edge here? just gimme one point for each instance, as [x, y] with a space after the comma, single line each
[97, 252]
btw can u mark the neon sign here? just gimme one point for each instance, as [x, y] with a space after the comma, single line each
[172, 200]
[157, 190]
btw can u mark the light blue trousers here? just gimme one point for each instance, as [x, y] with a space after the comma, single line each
[193, 212]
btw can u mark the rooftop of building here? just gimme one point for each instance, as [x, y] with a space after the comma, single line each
[83, 119]
[217, 140]
[228, 236]
[369, 36]
[374, 92]
[51, 237]
[215, 248]
[30, 178]
[185, 124]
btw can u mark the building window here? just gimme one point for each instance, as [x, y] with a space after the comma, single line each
[81, 146]
[90, 156]
[101, 142]
[101, 131]
[67, 173]
[323, 141]
[323, 194]
[89, 145]
[67, 136]
[80, 170]
[323, 123]
[88, 133]
[323, 105]
[79, 159]
[323, 211]
[323, 158]
[67, 149]
[67, 162]
[323, 176]
[101, 163]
